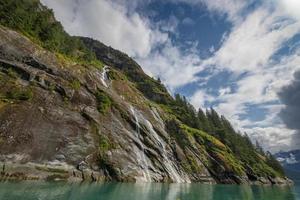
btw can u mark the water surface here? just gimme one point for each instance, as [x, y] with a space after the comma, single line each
[155, 191]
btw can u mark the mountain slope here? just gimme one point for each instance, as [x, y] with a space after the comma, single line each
[87, 111]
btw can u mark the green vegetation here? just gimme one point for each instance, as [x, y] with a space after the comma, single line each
[272, 162]
[151, 88]
[104, 144]
[12, 73]
[75, 85]
[11, 90]
[104, 101]
[18, 93]
[37, 22]
[194, 166]
[216, 149]
[184, 111]
[218, 128]
[115, 75]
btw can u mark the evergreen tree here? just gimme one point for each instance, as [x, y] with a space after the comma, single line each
[272, 162]
[203, 121]
[185, 111]
[259, 149]
[158, 80]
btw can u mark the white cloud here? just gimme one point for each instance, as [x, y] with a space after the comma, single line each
[200, 98]
[291, 159]
[172, 66]
[108, 22]
[272, 138]
[188, 21]
[169, 25]
[251, 44]
[292, 7]
[224, 91]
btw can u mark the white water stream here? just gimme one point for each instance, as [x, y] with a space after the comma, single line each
[169, 165]
[167, 162]
[104, 77]
[141, 157]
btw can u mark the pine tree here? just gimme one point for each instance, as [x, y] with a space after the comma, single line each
[215, 118]
[272, 162]
[158, 80]
[203, 121]
[258, 148]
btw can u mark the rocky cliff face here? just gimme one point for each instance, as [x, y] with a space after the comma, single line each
[64, 120]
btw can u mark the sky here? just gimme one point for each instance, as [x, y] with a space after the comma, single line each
[237, 56]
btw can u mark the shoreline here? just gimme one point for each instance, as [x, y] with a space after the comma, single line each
[70, 174]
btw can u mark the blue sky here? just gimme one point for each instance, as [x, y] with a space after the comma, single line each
[234, 55]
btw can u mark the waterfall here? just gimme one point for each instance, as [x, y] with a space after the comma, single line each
[167, 163]
[141, 157]
[174, 175]
[104, 76]
[157, 117]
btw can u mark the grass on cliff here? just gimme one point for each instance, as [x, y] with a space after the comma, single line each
[38, 23]
[224, 155]
[216, 149]
[104, 102]
[19, 93]
[11, 90]
[104, 144]
[75, 85]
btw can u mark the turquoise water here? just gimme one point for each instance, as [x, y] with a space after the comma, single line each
[126, 191]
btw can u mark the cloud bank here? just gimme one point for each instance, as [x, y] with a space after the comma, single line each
[248, 52]
[290, 114]
[290, 97]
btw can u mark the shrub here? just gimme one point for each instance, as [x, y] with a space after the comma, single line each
[75, 84]
[11, 73]
[104, 144]
[104, 101]
[21, 94]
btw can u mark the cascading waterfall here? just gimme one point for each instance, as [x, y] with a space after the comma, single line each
[141, 157]
[174, 175]
[104, 76]
[169, 165]
[157, 117]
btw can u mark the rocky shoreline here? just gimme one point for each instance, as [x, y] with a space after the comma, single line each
[33, 171]
[63, 172]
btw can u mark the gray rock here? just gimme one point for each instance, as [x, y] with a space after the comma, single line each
[60, 157]
[82, 166]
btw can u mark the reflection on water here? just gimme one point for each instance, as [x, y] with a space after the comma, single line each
[127, 191]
